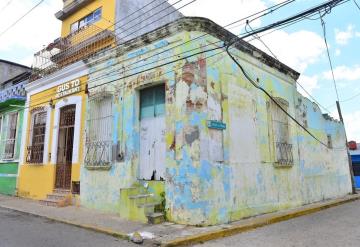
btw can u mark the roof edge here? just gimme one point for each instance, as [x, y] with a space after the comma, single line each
[206, 25]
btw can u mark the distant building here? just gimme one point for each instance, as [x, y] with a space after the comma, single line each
[13, 78]
[354, 149]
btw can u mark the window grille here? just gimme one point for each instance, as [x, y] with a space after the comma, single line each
[283, 147]
[11, 136]
[98, 135]
[35, 152]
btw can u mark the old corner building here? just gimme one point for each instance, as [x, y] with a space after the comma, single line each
[53, 131]
[195, 141]
[124, 122]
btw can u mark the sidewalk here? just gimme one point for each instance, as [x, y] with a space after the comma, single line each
[166, 234]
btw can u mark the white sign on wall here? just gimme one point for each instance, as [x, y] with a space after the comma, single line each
[68, 88]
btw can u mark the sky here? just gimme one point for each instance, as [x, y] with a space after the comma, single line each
[300, 46]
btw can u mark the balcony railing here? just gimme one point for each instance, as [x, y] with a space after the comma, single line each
[35, 154]
[14, 92]
[284, 154]
[77, 46]
[98, 153]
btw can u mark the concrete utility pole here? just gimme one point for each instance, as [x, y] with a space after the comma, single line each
[349, 158]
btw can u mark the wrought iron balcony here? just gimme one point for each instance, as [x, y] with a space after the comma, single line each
[16, 92]
[77, 46]
[98, 153]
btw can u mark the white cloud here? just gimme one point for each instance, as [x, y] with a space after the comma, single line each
[227, 12]
[343, 37]
[310, 83]
[298, 50]
[344, 73]
[337, 52]
[38, 28]
[352, 121]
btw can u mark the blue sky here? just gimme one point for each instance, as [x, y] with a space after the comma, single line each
[300, 46]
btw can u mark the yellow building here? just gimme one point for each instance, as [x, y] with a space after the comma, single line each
[53, 136]
[53, 139]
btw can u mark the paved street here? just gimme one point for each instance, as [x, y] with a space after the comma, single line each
[20, 230]
[338, 226]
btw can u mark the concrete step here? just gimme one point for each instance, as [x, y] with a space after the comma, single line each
[140, 196]
[156, 218]
[51, 202]
[61, 191]
[148, 205]
[56, 196]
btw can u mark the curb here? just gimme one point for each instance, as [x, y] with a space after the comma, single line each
[212, 235]
[83, 226]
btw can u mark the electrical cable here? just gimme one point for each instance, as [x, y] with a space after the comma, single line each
[328, 55]
[268, 48]
[274, 100]
[23, 16]
[357, 5]
[5, 6]
[186, 42]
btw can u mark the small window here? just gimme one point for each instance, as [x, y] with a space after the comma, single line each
[74, 27]
[99, 132]
[11, 136]
[87, 20]
[35, 152]
[329, 141]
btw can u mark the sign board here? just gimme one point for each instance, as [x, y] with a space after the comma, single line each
[213, 124]
[68, 88]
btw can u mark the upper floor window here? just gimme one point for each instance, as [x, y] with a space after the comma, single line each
[87, 20]
[10, 138]
[35, 151]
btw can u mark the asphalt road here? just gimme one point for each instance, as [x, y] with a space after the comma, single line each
[334, 227]
[21, 230]
[338, 226]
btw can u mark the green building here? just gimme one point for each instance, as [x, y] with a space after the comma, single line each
[13, 78]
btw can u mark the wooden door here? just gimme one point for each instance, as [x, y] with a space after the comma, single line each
[65, 147]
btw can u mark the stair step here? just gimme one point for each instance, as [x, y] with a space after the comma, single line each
[156, 218]
[141, 196]
[56, 196]
[61, 191]
[148, 205]
[50, 202]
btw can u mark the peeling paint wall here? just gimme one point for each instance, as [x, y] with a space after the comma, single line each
[215, 176]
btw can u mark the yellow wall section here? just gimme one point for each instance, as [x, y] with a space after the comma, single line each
[107, 18]
[36, 181]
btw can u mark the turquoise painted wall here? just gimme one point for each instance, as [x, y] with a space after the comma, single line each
[214, 176]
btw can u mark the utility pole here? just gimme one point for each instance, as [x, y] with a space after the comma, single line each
[347, 151]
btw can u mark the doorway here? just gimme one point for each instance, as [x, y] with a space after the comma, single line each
[152, 133]
[65, 147]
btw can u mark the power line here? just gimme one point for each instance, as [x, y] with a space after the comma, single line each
[267, 47]
[269, 11]
[5, 6]
[357, 5]
[328, 55]
[274, 25]
[28, 12]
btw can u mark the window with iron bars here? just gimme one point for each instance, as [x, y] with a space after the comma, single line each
[98, 132]
[283, 147]
[35, 151]
[10, 138]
